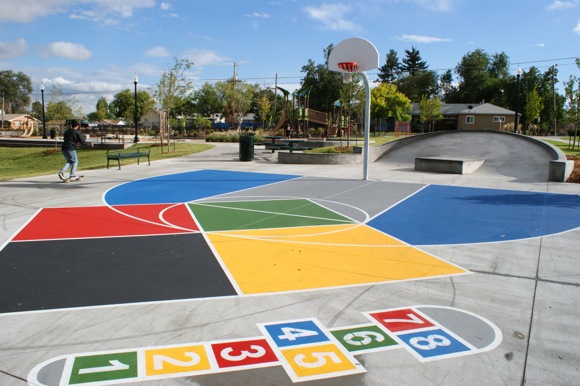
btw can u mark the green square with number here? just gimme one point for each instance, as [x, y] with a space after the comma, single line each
[104, 367]
[363, 338]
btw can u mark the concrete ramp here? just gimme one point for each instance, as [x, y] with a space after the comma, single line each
[447, 165]
[525, 159]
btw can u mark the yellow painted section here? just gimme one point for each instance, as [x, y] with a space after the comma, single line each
[290, 259]
[316, 360]
[176, 360]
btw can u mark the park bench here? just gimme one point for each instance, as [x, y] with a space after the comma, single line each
[136, 153]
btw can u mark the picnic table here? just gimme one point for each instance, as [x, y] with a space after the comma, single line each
[294, 144]
[276, 143]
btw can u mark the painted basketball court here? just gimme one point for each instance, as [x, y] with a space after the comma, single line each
[220, 276]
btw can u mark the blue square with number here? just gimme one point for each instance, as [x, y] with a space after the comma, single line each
[287, 334]
[433, 343]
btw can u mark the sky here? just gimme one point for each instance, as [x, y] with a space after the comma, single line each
[92, 48]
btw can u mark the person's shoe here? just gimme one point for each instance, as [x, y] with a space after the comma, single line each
[61, 175]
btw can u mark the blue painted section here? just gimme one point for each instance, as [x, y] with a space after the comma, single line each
[457, 215]
[188, 186]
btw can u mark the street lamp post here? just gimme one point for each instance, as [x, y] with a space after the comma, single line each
[135, 80]
[518, 74]
[43, 116]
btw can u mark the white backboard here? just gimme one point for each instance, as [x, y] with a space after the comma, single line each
[358, 50]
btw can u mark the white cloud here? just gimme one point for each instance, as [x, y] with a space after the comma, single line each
[422, 39]
[68, 50]
[13, 49]
[24, 11]
[203, 57]
[257, 14]
[538, 45]
[157, 51]
[332, 17]
[165, 6]
[558, 5]
[577, 28]
[436, 5]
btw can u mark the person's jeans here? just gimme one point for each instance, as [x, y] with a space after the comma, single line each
[71, 160]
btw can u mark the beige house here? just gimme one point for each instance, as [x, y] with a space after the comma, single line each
[460, 116]
[23, 123]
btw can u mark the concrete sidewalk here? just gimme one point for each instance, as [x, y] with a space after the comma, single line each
[529, 288]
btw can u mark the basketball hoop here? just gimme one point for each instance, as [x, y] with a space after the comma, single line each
[348, 66]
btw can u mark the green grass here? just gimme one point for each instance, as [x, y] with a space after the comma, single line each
[376, 141]
[567, 149]
[33, 161]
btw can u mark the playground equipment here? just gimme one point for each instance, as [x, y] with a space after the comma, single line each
[357, 55]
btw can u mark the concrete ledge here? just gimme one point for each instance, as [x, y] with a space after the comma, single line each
[560, 170]
[319, 158]
[447, 165]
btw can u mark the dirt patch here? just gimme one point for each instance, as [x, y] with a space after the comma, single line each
[575, 176]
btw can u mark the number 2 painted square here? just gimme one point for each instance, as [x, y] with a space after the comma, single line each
[432, 344]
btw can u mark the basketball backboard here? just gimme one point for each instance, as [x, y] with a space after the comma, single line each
[358, 50]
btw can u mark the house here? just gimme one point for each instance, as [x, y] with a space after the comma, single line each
[20, 122]
[459, 116]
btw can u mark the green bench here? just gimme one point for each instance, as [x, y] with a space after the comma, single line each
[119, 155]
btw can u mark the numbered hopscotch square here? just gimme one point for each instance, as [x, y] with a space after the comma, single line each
[104, 367]
[364, 339]
[432, 344]
[318, 362]
[176, 360]
[405, 319]
[250, 353]
[294, 333]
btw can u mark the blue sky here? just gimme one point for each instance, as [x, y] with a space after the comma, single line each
[92, 48]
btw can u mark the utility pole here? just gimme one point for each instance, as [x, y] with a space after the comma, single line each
[554, 97]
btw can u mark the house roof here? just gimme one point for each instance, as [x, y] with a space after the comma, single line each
[454, 109]
[11, 117]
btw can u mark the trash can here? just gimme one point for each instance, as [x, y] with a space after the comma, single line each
[52, 133]
[246, 146]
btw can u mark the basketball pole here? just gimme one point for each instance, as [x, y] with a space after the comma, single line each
[367, 125]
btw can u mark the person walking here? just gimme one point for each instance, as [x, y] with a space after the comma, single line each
[71, 139]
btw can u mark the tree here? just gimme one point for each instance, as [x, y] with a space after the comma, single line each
[207, 100]
[324, 83]
[422, 83]
[16, 89]
[387, 101]
[173, 85]
[263, 109]
[412, 62]
[447, 89]
[391, 70]
[57, 109]
[430, 111]
[533, 107]
[123, 104]
[102, 111]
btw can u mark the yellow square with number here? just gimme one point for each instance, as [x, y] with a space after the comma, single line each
[320, 361]
[173, 360]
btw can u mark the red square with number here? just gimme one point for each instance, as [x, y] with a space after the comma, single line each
[243, 353]
[401, 320]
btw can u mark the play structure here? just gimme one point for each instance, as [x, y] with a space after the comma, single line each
[297, 113]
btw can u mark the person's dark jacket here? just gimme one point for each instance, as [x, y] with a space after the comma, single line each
[71, 139]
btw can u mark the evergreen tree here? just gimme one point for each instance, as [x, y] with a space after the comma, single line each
[391, 70]
[412, 62]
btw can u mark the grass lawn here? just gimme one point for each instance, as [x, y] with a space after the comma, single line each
[34, 161]
[565, 147]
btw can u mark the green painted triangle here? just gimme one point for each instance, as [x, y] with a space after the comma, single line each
[243, 215]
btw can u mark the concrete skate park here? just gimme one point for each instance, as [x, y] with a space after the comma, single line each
[206, 270]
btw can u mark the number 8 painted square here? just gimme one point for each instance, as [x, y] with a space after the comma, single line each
[432, 344]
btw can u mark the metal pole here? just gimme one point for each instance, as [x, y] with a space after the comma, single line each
[43, 117]
[367, 126]
[554, 96]
[518, 74]
[135, 80]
